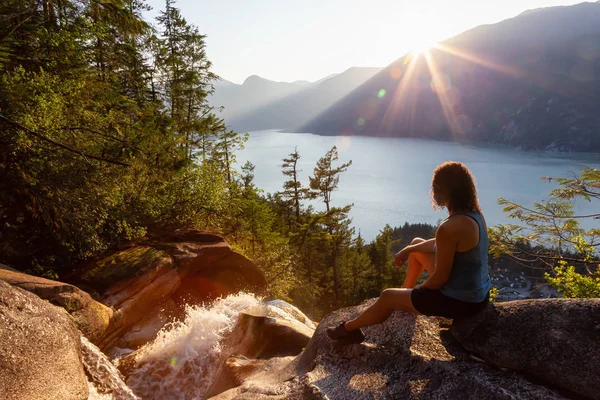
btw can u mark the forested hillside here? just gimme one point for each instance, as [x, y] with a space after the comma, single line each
[102, 116]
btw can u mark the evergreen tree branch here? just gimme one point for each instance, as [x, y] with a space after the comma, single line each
[548, 215]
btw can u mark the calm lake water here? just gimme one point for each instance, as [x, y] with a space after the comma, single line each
[390, 178]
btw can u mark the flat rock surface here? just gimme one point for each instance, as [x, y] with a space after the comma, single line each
[407, 357]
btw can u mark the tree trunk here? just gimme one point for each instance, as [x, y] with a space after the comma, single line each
[336, 276]
[226, 148]
[296, 194]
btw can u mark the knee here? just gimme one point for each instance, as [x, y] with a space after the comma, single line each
[417, 240]
[385, 295]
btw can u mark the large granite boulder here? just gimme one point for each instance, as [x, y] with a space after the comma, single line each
[266, 331]
[553, 340]
[91, 317]
[39, 349]
[151, 284]
[264, 335]
[409, 356]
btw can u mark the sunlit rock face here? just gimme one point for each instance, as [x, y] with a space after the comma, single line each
[152, 284]
[39, 349]
[263, 338]
[91, 317]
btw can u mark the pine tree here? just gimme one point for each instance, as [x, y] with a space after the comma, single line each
[326, 176]
[187, 81]
[380, 251]
[325, 180]
[227, 143]
[293, 192]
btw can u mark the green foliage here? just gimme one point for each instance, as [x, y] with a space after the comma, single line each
[572, 284]
[493, 294]
[326, 176]
[552, 235]
[293, 192]
[104, 117]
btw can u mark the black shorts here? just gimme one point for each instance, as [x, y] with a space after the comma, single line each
[432, 302]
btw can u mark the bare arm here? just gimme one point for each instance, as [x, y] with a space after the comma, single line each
[423, 247]
[444, 257]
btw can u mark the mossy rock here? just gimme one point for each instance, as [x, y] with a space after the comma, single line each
[124, 266]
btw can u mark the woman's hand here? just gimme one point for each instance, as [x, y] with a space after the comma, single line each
[401, 256]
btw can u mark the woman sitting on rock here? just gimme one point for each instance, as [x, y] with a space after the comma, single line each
[458, 282]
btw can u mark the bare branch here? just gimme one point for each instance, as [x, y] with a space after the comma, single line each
[62, 146]
[104, 135]
[14, 28]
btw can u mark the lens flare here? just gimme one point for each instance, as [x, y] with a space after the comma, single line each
[396, 73]
[343, 143]
[381, 93]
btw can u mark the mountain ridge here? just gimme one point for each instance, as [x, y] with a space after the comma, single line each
[260, 104]
[490, 84]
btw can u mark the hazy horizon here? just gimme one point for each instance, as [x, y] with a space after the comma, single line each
[294, 41]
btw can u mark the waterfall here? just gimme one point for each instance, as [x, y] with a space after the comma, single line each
[104, 380]
[180, 362]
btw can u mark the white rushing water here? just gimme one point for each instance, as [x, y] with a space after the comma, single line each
[104, 380]
[180, 362]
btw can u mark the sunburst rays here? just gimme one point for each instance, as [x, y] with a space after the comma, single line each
[403, 105]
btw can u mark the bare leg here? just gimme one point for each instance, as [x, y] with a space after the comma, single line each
[378, 312]
[417, 263]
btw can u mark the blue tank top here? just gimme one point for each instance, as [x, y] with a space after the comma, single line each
[469, 279]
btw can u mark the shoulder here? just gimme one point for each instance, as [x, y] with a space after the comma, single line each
[458, 224]
[447, 229]
[453, 223]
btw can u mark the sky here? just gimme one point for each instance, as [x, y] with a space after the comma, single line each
[290, 40]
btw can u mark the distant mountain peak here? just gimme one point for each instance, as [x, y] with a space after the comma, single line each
[252, 79]
[263, 104]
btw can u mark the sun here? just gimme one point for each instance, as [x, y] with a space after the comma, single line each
[422, 48]
[421, 44]
[414, 34]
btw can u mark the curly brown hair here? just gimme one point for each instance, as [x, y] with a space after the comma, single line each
[456, 181]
